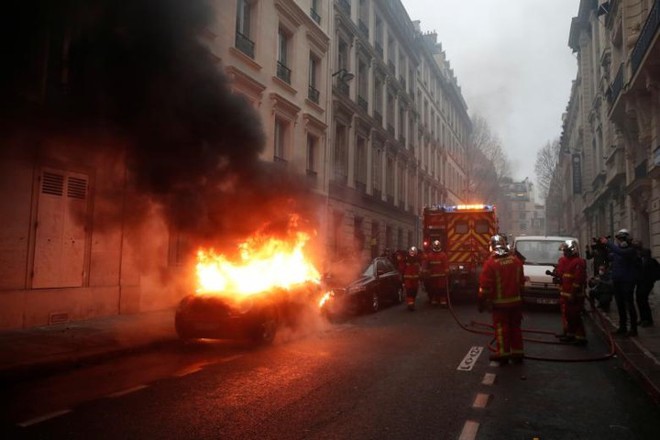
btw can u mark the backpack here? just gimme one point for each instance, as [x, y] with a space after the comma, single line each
[654, 269]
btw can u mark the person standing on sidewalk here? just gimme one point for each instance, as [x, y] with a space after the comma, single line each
[649, 269]
[624, 275]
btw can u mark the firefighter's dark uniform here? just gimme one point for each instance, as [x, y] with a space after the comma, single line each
[500, 287]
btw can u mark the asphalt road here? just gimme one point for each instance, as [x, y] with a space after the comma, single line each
[391, 375]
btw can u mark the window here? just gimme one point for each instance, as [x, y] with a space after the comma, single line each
[313, 94]
[312, 147]
[314, 11]
[481, 227]
[361, 163]
[280, 138]
[461, 227]
[243, 31]
[283, 70]
[377, 169]
[341, 155]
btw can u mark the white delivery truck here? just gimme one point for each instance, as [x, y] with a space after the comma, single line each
[541, 254]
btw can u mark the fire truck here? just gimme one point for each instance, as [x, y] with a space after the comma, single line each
[464, 232]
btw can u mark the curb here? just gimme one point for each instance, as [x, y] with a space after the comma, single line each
[625, 349]
[59, 363]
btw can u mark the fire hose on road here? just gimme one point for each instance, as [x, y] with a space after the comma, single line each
[601, 324]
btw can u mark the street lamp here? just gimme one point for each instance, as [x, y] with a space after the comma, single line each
[343, 75]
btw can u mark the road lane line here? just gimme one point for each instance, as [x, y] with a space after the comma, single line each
[489, 379]
[188, 371]
[481, 400]
[469, 430]
[43, 418]
[230, 358]
[127, 391]
[470, 359]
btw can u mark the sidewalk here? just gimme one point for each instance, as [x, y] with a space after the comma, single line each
[40, 350]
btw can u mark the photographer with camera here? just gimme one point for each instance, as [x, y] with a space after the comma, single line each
[597, 252]
[601, 289]
[624, 276]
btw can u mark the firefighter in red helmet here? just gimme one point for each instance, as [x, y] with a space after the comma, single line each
[436, 266]
[500, 291]
[573, 278]
[411, 273]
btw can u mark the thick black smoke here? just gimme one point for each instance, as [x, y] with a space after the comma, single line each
[139, 71]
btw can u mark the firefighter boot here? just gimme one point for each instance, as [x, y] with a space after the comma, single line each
[410, 302]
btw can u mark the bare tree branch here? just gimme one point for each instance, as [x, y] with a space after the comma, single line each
[547, 159]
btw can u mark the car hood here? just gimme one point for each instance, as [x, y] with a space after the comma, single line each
[536, 273]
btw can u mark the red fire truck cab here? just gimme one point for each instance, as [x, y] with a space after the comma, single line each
[464, 232]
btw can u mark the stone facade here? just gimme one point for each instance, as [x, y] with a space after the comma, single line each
[350, 94]
[611, 133]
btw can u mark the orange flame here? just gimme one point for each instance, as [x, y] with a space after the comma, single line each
[264, 264]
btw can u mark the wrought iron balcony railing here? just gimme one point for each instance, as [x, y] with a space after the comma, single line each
[363, 27]
[364, 105]
[379, 48]
[283, 72]
[616, 86]
[315, 15]
[345, 5]
[313, 94]
[244, 44]
[646, 36]
[342, 87]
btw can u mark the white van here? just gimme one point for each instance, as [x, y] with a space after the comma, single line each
[541, 253]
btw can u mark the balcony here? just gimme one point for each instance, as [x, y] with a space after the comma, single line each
[313, 94]
[646, 37]
[283, 72]
[390, 64]
[379, 48]
[244, 44]
[616, 86]
[342, 87]
[402, 139]
[364, 105]
[402, 80]
[345, 5]
[315, 16]
[378, 117]
[616, 168]
[363, 28]
[641, 170]
[390, 129]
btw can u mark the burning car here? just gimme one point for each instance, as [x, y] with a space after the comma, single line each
[255, 318]
[272, 284]
[378, 284]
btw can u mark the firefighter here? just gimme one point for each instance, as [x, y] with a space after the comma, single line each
[572, 271]
[436, 265]
[500, 290]
[411, 277]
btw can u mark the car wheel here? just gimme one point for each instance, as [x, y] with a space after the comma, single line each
[374, 305]
[265, 331]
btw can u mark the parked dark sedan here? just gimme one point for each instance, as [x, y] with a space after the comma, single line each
[255, 318]
[378, 284]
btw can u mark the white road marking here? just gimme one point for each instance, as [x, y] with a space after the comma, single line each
[43, 418]
[481, 400]
[470, 359]
[494, 364]
[127, 391]
[489, 379]
[188, 371]
[469, 430]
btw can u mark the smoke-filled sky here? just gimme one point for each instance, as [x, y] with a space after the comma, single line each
[513, 64]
